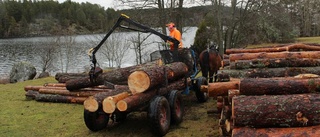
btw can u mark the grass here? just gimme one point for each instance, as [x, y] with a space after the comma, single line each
[20, 117]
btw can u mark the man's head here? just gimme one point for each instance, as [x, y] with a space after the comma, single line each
[170, 25]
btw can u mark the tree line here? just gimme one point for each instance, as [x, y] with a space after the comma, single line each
[228, 24]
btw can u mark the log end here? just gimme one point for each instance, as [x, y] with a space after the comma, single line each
[108, 105]
[138, 82]
[122, 105]
[91, 104]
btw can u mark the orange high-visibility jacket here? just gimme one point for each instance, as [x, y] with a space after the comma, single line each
[177, 35]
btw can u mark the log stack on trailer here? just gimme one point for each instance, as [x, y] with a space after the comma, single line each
[273, 91]
[153, 86]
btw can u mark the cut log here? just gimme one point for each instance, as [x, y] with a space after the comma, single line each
[221, 88]
[29, 87]
[146, 78]
[249, 56]
[66, 92]
[276, 110]
[31, 94]
[275, 63]
[63, 77]
[223, 77]
[232, 93]
[59, 98]
[292, 47]
[272, 72]
[55, 85]
[278, 86]
[115, 76]
[93, 103]
[109, 103]
[312, 131]
[137, 100]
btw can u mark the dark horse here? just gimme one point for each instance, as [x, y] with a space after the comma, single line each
[210, 63]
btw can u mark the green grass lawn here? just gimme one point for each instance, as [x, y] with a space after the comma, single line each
[22, 117]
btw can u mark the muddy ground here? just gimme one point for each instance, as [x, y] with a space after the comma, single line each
[198, 121]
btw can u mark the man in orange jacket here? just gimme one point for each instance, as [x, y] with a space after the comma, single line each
[175, 33]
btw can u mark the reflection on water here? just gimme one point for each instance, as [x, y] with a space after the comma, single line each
[70, 53]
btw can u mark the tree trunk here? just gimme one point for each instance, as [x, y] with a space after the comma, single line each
[278, 86]
[109, 103]
[116, 76]
[275, 63]
[59, 98]
[66, 92]
[249, 56]
[276, 110]
[93, 103]
[148, 77]
[293, 47]
[271, 72]
[132, 102]
[312, 131]
[63, 77]
[31, 94]
[221, 88]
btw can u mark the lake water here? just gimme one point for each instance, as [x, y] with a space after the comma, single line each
[70, 54]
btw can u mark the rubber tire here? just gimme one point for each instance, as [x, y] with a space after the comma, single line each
[201, 96]
[159, 115]
[120, 116]
[96, 121]
[176, 106]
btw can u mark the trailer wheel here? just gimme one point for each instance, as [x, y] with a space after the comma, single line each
[176, 106]
[96, 121]
[159, 115]
[201, 96]
[121, 116]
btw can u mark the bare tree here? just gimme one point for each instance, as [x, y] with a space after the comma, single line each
[115, 50]
[67, 52]
[139, 45]
[47, 54]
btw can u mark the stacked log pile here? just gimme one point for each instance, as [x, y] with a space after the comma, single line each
[278, 61]
[273, 91]
[143, 82]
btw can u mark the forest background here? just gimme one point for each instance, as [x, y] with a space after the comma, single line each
[227, 23]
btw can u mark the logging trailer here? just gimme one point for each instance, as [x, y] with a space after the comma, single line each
[163, 109]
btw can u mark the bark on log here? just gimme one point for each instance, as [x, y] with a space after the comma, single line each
[221, 88]
[312, 131]
[278, 86]
[109, 103]
[59, 98]
[137, 100]
[271, 72]
[115, 76]
[31, 94]
[29, 87]
[249, 56]
[275, 63]
[66, 92]
[293, 47]
[95, 88]
[93, 103]
[276, 110]
[63, 77]
[55, 85]
[149, 77]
